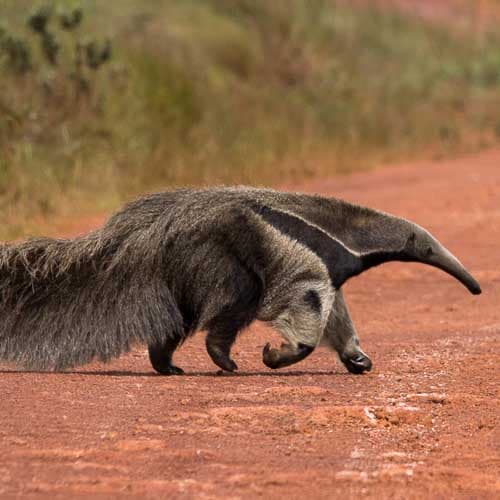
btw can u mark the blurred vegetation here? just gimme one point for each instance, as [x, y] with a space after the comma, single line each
[102, 100]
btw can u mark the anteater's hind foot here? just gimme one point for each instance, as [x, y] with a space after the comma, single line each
[161, 358]
[219, 341]
[168, 369]
[220, 356]
[286, 355]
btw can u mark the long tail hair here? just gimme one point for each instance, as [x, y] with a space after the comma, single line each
[66, 302]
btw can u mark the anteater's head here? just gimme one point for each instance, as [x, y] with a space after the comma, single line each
[377, 238]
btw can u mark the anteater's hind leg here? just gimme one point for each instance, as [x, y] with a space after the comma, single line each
[245, 293]
[160, 356]
[219, 342]
[223, 330]
[340, 334]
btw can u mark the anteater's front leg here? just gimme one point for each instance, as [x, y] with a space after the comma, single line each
[301, 323]
[340, 334]
[286, 355]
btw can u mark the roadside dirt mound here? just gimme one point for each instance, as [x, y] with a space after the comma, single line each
[424, 423]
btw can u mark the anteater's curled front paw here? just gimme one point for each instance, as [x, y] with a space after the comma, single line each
[286, 355]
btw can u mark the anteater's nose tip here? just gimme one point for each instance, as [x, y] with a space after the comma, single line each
[473, 286]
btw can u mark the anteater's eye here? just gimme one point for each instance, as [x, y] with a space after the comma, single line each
[311, 298]
[429, 251]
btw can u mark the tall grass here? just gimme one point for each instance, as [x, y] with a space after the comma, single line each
[234, 91]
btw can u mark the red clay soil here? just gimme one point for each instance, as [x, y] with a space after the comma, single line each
[472, 16]
[423, 424]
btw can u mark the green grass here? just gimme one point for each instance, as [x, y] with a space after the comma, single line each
[234, 91]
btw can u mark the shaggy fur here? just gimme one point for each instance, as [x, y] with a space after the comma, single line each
[173, 263]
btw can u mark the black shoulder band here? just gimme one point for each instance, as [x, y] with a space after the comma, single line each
[340, 262]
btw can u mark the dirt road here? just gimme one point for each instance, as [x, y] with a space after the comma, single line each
[424, 423]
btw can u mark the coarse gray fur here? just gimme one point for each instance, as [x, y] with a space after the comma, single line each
[170, 264]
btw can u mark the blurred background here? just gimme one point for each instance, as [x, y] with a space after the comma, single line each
[101, 101]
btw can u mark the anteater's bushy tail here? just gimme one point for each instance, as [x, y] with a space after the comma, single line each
[66, 302]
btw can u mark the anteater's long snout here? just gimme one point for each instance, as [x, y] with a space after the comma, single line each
[446, 261]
